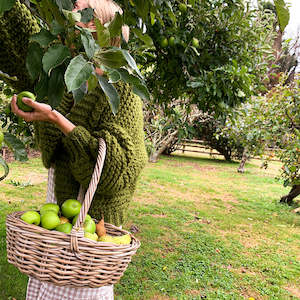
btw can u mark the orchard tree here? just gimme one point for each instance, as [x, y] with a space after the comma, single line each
[211, 60]
[271, 120]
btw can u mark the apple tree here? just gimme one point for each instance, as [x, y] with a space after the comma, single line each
[271, 120]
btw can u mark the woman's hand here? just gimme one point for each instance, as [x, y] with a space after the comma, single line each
[41, 112]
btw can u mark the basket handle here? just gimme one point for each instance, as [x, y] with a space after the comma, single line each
[77, 230]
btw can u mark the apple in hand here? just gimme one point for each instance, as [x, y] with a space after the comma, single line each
[31, 217]
[89, 226]
[70, 208]
[66, 227]
[20, 102]
[49, 206]
[91, 236]
[87, 218]
[50, 220]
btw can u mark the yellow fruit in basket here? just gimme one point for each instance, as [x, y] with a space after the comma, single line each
[31, 217]
[50, 220]
[64, 220]
[49, 206]
[66, 227]
[91, 236]
[70, 208]
[106, 238]
[118, 240]
[122, 239]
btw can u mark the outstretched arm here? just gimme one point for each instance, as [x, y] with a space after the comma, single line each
[42, 112]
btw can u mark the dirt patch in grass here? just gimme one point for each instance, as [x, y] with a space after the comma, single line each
[295, 291]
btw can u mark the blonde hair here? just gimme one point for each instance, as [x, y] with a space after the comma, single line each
[105, 11]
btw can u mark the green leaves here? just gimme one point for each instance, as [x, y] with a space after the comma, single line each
[34, 60]
[6, 5]
[5, 167]
[88, 43]
[16, 146]
[283, 13]
[54, 57]
[103, 35]
[111, 58]
[111, 92]
[79, 70]
[56, 86]
[115, 25]
[44, 37]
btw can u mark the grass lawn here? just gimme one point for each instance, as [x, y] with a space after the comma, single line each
[207, 232]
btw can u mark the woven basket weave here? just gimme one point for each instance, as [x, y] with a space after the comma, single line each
[69, 259]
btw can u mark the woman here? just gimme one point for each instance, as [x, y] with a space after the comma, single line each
[68, 139]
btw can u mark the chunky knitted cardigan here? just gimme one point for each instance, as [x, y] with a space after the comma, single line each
[75, 155]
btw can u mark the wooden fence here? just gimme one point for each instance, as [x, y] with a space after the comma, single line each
[200, 146]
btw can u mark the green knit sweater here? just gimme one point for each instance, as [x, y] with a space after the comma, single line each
[75, 155]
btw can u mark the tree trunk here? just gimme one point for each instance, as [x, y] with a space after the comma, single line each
[154, 156]
[241, 168]
[294, 192]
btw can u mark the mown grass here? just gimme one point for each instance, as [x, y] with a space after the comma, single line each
[207, 232]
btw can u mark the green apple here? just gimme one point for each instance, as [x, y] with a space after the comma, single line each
[182, 7]
[50, 220]
[87, 218]
[1, 137]
[70, 208]
[89, 226]
[164, 42]
[172, 41]
[20, 102]
[91, 236]
[49, 206]
[31, 217]
[66, 227]
[195, 42]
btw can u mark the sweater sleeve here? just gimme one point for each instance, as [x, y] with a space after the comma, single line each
[119, 168]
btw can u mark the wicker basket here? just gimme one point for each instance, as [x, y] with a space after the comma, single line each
[69, 259]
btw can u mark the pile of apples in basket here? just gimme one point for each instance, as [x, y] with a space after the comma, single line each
[52, 217]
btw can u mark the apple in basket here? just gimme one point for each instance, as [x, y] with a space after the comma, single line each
[70, 208]
[65, 227]
[88, 217]
[89, 226]
[50, 220]
[49, 206]
[31, 217]
[104, 237]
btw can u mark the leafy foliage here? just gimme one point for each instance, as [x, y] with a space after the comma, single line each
[198, 54]
[271, 120]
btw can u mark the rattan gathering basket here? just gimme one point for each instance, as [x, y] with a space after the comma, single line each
[69, 259]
